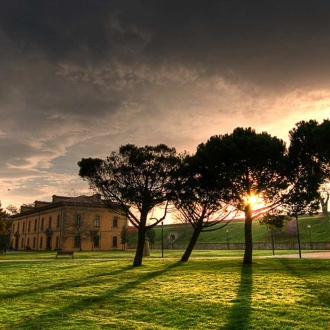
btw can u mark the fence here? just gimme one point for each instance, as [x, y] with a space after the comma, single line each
[241, 246]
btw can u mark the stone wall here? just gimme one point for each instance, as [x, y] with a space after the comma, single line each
[241, 246]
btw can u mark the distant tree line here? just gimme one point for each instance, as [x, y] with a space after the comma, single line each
[243, 172]
[5, 226]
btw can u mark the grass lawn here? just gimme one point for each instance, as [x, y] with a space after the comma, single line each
[204, 293]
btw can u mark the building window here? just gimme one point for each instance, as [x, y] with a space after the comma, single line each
[114, 241]
[42, 224]
[35, 225]
[97, 221]
[28, 243]
[18, 227]
[22, 243]
[115, 222]
[40, 245]
[76, 242]
[57, 241]
[77, 222]
[50, 222]
[58, 221]
[34, 242]
[23, 227]
[13, 228]
[29, 226]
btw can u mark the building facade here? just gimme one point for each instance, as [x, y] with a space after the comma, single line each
[68, 224]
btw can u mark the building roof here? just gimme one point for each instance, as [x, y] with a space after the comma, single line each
[94, 200]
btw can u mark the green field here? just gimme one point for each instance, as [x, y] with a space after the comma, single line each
[211, 291]
[319, 232]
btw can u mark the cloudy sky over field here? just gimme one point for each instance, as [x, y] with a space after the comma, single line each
[79, 78]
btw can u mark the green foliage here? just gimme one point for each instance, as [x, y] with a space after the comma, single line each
[251, 164]
[198, 196]
[306, 169]
[136, 180]
[93, 235]
[273, 220]
[151, 235]
[134, 177]
[124, 234]
[5, 226]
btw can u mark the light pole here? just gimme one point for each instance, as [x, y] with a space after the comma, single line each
[273, 247]
[298, 236]
[227, 231]
[162, 239]
[310, 236]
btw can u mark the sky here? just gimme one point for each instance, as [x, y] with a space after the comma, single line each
[79, 78]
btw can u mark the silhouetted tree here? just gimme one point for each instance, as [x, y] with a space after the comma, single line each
[5, 226]
[198, 196]
[307, 170]
[254, 165]
[136, 179]
[12, 209]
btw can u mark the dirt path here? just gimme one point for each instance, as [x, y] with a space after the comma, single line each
[308, 255]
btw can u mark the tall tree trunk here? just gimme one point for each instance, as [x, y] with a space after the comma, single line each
[248, 236]
[191, 244]
[141, 241]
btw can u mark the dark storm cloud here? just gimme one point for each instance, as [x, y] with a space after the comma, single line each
[252, 39]
[68, 29]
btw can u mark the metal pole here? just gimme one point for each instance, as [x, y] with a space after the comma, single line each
[273, 241]
[227, 231]
[310, 236]
[298, 236]
[162, 239]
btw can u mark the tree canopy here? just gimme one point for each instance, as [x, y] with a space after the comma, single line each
[254, 173]
[136, 179]
[198, 196]
[5, 225]
[254, 166]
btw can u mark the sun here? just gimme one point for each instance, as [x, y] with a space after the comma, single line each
[253, 200]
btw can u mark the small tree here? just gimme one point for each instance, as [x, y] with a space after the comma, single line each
[124, 233]
[151, 235]
[137, 180]
[74, 222]
[94, 236]
[273, 221]
[5, 226]
[12, 209]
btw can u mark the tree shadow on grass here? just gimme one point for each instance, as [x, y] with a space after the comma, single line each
[63, 284]
[65, 312]
[318, 290]
[240, 313]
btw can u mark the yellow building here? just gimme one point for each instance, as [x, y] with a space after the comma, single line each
[68, 224]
